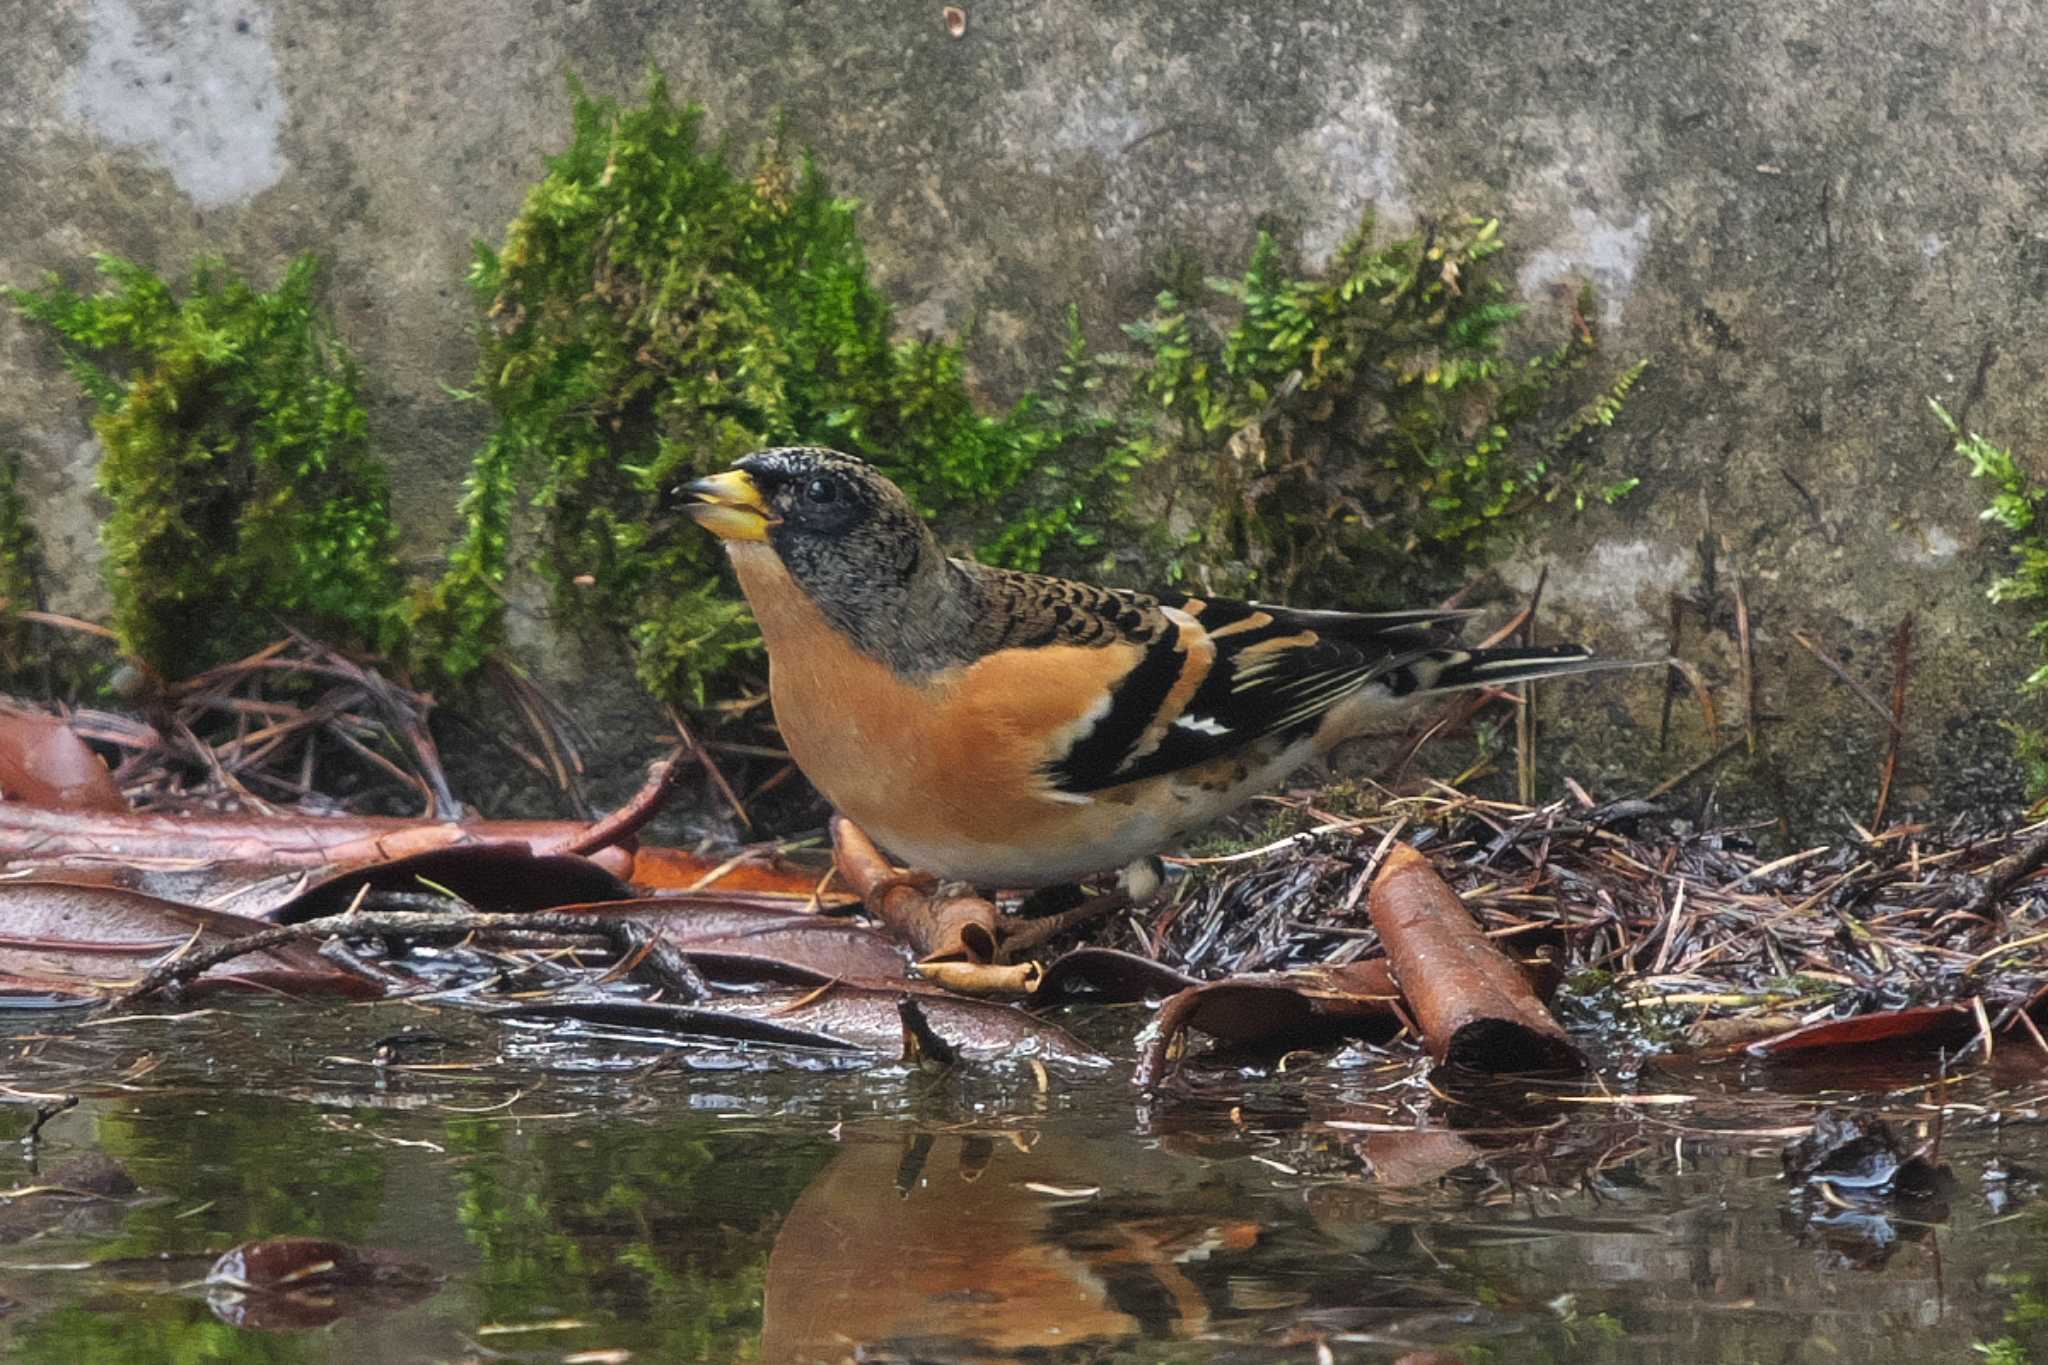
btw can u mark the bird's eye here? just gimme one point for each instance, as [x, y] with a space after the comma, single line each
[821, 491]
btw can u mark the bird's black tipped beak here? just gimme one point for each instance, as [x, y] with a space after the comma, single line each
[729, 506]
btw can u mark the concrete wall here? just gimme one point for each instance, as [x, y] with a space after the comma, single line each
[1812, 216]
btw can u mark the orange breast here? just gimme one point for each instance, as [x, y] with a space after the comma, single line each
[953, 758]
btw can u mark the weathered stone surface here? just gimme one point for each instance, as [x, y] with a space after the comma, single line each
[1811, 216]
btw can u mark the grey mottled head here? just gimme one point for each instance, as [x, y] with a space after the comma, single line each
[852, 541]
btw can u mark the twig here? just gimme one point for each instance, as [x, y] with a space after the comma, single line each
[662, 965]
[1672, 677]
[1677, 780]
[2009, 871]
[629, 819]
[44, 1113]
[1747, 660]
[1525, 720]
[1902, 665]
[711, 768]
[1020, 936]
[920, 1038]
[1844, 677]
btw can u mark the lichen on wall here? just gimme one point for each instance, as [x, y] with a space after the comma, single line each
[193, 85]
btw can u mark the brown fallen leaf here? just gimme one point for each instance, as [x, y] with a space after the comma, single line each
[1925, 1026]
[764, 927]
[1303, 1008]
[44, 763]
[40, 837]
[1420, 1157]
[1474, 1006]
[1108, 974]
[95, 939]
[675, 869]
[840, 1016]
[496, 878]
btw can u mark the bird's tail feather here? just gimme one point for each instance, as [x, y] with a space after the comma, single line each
[1455, 670]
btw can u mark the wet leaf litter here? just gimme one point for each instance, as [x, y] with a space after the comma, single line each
[1506, 968]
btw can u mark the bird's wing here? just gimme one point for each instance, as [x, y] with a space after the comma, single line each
[1207, 677]
[1220, 675]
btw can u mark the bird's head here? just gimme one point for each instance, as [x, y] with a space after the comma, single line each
[844, 532]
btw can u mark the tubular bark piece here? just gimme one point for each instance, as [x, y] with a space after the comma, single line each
[938, 925]
[1474, 1006]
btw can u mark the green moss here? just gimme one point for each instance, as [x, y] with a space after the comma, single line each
[1361, 431]
[2021, 506]
[654, 313]
[242, 486]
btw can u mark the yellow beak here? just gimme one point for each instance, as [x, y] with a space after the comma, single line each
[730, 506]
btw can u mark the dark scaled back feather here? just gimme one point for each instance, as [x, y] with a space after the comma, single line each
[1278, 672]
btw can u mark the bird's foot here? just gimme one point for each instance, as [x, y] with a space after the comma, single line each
[1054, 910]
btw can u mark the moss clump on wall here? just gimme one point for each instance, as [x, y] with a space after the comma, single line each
[1361, 431]
[653, 314]
[242, 484]
[2021, 506]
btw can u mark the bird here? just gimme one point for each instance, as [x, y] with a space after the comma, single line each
[1016, 731]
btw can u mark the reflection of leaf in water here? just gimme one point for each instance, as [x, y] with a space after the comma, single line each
[285, 1284]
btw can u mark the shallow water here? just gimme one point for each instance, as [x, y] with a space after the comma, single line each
[585, 1195]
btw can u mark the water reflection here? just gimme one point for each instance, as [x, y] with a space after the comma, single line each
[979, 1247]
[587, 1198]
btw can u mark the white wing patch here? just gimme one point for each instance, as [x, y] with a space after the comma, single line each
[1202, 725]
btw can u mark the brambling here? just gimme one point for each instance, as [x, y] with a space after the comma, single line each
[1014, 730]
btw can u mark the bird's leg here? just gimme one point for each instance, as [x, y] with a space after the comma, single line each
[1050, 900]
[1135, 884]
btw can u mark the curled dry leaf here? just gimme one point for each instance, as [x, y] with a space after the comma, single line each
[956, 21]
[1473, 1005]
[984, 978]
